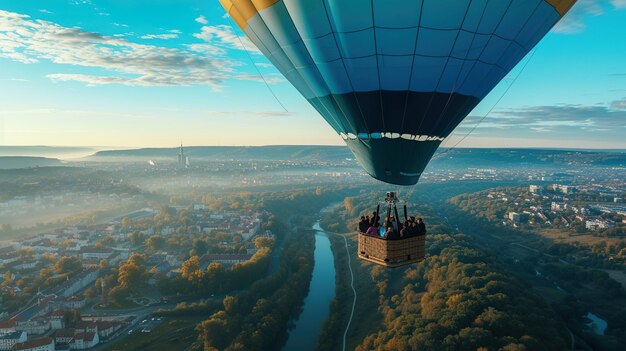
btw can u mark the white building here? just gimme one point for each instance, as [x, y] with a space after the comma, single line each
[78, 283]
[535, 189]
[597, 224]
[8, 340]
[42, 344]
[515, 217]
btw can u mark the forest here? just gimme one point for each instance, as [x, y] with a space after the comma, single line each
[462, 297]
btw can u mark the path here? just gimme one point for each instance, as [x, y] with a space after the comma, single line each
[345, 333]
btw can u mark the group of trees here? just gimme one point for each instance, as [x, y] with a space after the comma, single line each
[458, 300]
[19, 286]
[258, 318]
[216, 278]
[132, 275]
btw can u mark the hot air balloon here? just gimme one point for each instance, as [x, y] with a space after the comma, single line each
[395, 77]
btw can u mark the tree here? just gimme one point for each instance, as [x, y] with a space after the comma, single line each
[118, 294]
[156, 242]
[68, 264]
[214, 276]
[136, 238]
[133, 273]
[71, 318]
[199, 248]
[191, 271]
[125, 223]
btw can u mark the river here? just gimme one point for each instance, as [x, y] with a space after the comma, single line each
[597, 324]
[317, 303]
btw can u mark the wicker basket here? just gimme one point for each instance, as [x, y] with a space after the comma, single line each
[392, 253]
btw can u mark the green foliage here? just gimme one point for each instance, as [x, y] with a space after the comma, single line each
[458, 300]
[67, 265]
[257, 319]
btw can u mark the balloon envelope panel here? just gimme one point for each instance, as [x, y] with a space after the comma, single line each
[395, 77]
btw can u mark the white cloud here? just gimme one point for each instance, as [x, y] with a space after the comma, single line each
[122, 62]
[619, 105]
[160, 36]
[45, 11]
[222, 35]
[202, 20]
[620, 4]
[573, 21]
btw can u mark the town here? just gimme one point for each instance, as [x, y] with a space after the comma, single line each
[63, 290]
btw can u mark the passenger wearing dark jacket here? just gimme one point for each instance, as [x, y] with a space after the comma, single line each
[363, 225]
[421, 227]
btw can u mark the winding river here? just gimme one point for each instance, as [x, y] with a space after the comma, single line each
[317, 303]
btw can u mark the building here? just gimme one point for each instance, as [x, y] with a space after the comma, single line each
[83, 280]
[8, 340]
[8, 325]
[514, 217]
[85, 340]
[41, 344]
[535, 189]
[57, 319]
[183, 161]
[598, 224]
[34, 326]
[106, 328]
[97, 253]
[64, 336]
[557, 206]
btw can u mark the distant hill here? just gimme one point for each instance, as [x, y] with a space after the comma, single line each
[46, 151]
[459, 157]
[528, 157]
[277, 152]
[16, 162]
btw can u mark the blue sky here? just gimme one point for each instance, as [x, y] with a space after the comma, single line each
[154, 73]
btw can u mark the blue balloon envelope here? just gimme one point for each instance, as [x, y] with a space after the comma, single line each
[395, 77]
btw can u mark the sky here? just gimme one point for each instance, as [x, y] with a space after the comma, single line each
[155, 73]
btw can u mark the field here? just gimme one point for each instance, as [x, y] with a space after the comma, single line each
[563, 236]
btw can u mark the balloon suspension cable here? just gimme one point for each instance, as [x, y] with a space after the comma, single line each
[492, 107]
[258, 71]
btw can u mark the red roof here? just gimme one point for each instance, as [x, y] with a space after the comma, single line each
[33, 343]
[7, 323]
[64, 333]
[89, 336]
[86, 325]
[58, 313]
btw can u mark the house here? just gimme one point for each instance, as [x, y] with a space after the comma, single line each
[106, 328]
[41, 344]
[597, 224]
[8, 340]
[514, 217]
[34, 326]
[95, 252]
[84, 279]
[85, 340]
[56, 319]
[64, 336]
[8, 325]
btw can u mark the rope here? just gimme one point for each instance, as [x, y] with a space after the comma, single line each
[258, 71]
[492, 107]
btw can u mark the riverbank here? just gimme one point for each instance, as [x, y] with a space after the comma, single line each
[317, 302]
